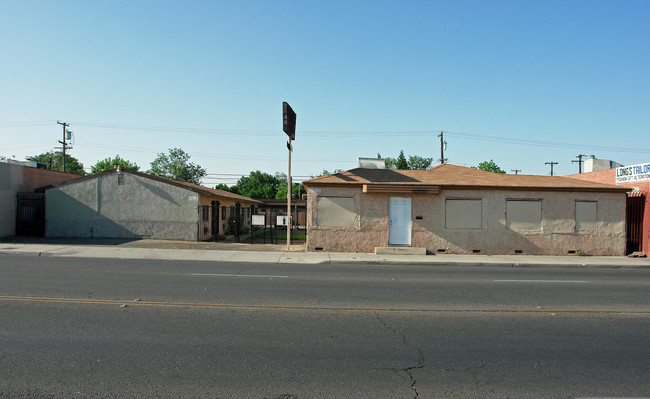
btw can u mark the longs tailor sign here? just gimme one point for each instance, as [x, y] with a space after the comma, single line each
[633, 173]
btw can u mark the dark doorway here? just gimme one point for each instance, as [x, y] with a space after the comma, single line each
[30, 214]
[634, 223]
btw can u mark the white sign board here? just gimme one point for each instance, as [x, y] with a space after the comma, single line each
[258, 220]
[282, 220]
[634, 173]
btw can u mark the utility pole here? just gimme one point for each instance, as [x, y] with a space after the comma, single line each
[63, 142]
[551, 163]
[579, 162]
[515, 170]
[443, 145]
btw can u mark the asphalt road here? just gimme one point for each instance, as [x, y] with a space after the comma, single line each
[73, 327]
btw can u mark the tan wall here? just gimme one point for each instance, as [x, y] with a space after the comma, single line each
[555, 236]
[224, 202]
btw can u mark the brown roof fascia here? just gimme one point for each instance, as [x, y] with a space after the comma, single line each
[337, 185]
[401, 188]
[385, 188]
[540, 188]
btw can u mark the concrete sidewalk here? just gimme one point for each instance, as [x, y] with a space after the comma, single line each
[258, 253]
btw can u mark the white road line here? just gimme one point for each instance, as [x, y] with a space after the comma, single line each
[540, 281]
[236, 275]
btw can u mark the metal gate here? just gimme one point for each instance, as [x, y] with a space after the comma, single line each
[235, 222]
[208, 222]
[634, 223]
[30, 214]
[270, 227]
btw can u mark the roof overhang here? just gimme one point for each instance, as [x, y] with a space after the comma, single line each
[401, 188]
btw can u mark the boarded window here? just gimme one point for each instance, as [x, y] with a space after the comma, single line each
[586, 212]
[463, 214]
[335, 211]
[524, 214]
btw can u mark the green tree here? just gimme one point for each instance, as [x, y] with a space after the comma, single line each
[296, 189]
[54, 161]
[390, 162]
[401, 163]
[176, 166]
[489, 167]
[419, 163]
[326, 172]
[414, 162]
[222, 186]
[110, 163]
[257, 185]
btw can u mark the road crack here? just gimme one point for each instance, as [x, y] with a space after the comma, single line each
[420, 364]
[480, 366]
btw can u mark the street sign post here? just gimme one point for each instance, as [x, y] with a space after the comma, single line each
[289, 127]
[288, 121]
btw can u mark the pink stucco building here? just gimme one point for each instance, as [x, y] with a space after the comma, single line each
[460, 210]
[638, 204]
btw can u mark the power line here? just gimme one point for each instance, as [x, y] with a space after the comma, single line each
[211, 155]
[540, 143]
[25, 124]
[311, 134]
[21, 145]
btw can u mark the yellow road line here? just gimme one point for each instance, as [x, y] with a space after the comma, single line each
[83, 301]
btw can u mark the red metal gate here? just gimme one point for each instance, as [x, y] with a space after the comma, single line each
[634, 223]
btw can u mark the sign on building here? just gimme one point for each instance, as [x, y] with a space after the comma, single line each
[634, 173]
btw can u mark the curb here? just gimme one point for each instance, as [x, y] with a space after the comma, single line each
[501, 264]
[329, 260]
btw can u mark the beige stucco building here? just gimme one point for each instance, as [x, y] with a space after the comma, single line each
[458, 210]
[127, 204]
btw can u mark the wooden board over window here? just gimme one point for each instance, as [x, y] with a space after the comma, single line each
[335, 211]
[586, 212]
[524, 214]
[463, 214]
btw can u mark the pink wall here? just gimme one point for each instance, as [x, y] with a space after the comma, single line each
[609, 177]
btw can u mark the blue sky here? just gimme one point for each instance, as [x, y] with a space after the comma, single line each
[521, 82]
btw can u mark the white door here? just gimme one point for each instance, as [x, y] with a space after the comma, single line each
[399, 231]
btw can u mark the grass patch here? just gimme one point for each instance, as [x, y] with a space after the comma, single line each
[298, 235]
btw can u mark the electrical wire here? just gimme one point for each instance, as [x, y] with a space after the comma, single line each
[311, 134]
[540, 143]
